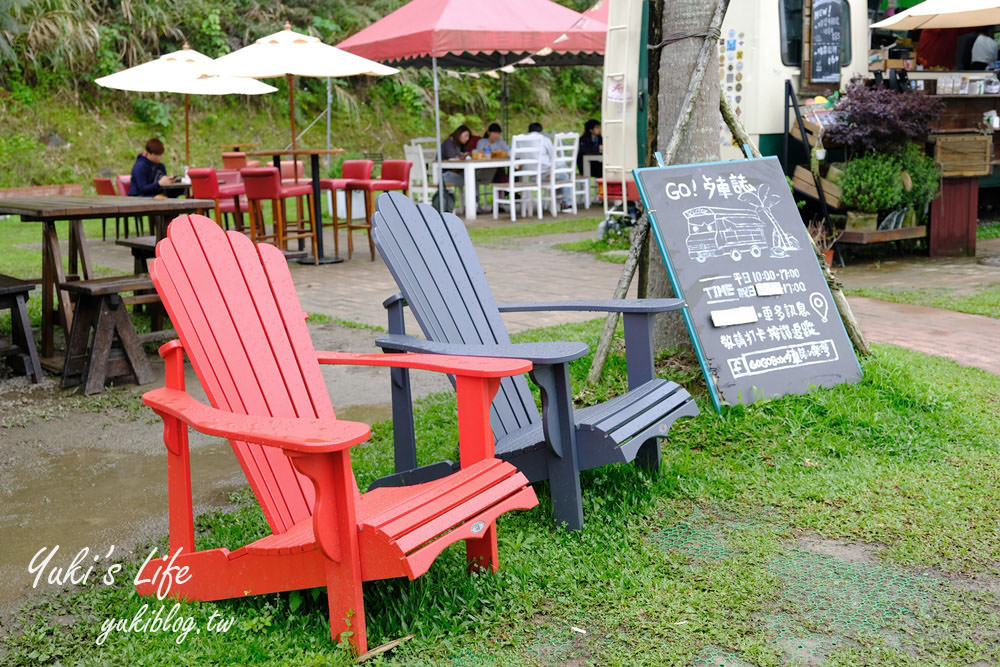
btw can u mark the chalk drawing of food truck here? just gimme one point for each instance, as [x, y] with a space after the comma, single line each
[715, 231]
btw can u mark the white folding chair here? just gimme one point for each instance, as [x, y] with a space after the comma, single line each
[562, 176]
[524, 176]
[429, 147]
[420, 187]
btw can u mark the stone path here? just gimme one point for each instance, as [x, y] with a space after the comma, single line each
[530, 269]
[970, 340]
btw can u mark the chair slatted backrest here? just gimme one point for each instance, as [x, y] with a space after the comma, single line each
[566, 145]
[525, 159]
[418, 176]
[236, 312]
[437, 271]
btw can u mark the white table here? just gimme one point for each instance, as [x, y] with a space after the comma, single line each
[469, 167]
[589, 160]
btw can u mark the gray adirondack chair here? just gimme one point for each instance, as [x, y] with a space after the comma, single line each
[440, 279]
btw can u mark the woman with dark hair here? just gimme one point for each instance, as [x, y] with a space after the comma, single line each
[591, 143]
[452, 147]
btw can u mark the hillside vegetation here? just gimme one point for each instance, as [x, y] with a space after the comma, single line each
[61, 127]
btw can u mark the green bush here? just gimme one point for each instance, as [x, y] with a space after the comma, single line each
[925, 177]
[153, 113]
[872, 183]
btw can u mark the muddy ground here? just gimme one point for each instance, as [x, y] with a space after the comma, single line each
[80, 471]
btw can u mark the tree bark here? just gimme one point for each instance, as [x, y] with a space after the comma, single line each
[640, 237]
[699, 143]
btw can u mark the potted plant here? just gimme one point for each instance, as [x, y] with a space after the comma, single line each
[870, 184]
[824, 241]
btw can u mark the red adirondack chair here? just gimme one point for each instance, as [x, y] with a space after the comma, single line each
[235, 310]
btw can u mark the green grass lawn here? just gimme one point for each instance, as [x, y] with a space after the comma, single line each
[842, 527]
[600, 248]
[984, 301]
[506, 232]
[988, 231]
[21, 257]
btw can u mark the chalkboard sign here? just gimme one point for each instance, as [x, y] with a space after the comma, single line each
[826, 24]
[759, 312]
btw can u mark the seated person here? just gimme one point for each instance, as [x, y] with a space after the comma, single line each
[547, 157]
[493, 141]
[148, 173]
[984, 49]
[452, 148]
[591, 143]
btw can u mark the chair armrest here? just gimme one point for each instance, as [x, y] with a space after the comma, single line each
[310, 436]
[481, 367]
[599, 305]
[393, 300]
[536, 353]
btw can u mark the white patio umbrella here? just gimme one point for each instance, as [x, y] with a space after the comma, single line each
[183, 72]
[944, 14]
[291, 54]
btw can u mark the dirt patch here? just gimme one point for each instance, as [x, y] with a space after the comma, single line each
[78, 471]
[848, 552]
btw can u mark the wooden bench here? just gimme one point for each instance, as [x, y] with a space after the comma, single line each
[21, 353]
[115, 349]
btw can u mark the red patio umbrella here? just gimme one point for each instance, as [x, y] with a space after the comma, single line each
[479, 33]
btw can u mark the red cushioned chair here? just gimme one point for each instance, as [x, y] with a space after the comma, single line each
[104, 186]
[123, 183]
[264, 183]
[395, 177]
[205, 185]
[353, 170]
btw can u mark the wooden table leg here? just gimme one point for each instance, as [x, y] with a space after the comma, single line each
[79, 242]
[52, 275]
[237, 214]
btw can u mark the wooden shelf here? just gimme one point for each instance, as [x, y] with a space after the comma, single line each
[883, 235]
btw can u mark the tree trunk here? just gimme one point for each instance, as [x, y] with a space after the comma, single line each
[700, 142]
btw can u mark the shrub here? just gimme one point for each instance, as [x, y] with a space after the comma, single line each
[153, 113]
[924, 175]
[883, 120]
[872, 183]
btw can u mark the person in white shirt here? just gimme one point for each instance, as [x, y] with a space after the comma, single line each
[984, 49]
[546, 156]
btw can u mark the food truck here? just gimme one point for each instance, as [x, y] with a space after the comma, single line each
[766, 42]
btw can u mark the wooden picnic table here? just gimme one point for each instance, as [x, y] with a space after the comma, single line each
[313, 154]
[75, 209]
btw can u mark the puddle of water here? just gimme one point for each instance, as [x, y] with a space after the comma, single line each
[89, 497]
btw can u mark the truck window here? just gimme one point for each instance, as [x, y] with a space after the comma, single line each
[790, 18]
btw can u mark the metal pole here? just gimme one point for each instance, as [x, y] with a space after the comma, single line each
[329, 101]
[437, 135]
[505, 103]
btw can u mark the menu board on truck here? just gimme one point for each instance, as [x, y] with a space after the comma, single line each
[826, 37]
[759, 311]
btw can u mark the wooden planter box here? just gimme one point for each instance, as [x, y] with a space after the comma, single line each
[861, 222]
[803, 181]
[963, 155]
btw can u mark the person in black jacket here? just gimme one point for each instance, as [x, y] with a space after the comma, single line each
[148, 173]
[590, 144]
